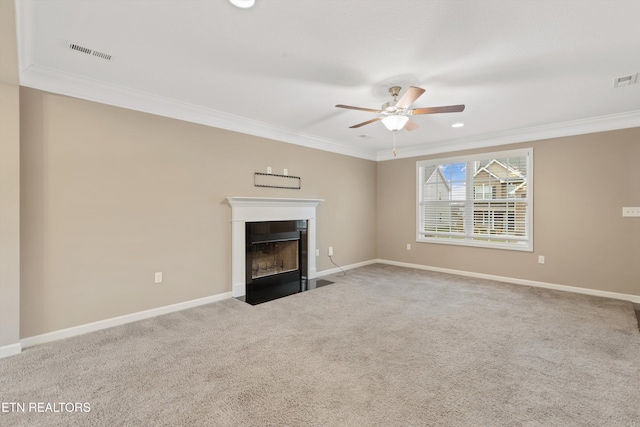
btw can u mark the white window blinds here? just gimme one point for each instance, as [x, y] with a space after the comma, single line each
[481, 200]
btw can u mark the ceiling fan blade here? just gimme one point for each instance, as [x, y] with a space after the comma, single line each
[435, 110]
[409, 97]
[365, 123]
[349, 107]
[411, 125]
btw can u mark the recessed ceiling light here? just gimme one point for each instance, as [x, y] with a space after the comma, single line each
[457, 125]
[243, 4]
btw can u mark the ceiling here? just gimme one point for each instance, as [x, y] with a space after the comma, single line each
[525, 70]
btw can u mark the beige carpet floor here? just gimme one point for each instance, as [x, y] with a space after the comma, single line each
[383, 346]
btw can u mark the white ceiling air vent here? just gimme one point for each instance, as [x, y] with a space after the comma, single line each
[365, 137]
[625, 80]
[88, 51]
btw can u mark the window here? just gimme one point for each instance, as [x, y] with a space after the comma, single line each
[481, 200]
[484, 191]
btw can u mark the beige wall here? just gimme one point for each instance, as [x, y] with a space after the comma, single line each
[111, 196]
[581, 184]
[9, 180]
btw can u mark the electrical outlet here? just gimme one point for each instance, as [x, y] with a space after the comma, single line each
[330, 250]
[317, 252]
[158, 277]
[268, 169]
[285, 172]
[629, 211]
[541, 259]
[408, 246]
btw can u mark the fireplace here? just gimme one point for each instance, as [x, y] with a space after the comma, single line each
[275, 259]
[248, 210]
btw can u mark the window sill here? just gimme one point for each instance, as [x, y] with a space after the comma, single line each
[523, 247]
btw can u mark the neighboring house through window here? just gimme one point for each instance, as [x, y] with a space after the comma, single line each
[480, 200]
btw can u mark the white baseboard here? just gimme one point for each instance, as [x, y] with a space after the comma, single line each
[120, 320]
[606, 294]
[346, 267]
[128, 318]
[10, 350]
[13, 349]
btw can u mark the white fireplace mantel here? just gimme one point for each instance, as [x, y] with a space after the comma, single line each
[254, 209]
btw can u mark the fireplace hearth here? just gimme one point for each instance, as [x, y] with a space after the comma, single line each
[276, 253]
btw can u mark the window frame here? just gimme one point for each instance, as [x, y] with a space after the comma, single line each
[468, 240]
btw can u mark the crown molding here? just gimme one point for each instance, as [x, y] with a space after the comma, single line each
[555, 130]
[24, 26]
[62, 83]
[50, 80]
[54, 81]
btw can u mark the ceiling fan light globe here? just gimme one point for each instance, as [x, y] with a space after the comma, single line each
[395, 123]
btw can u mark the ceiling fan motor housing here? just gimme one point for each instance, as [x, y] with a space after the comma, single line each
[389, 107]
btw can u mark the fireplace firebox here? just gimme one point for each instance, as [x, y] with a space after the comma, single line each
[276, 259]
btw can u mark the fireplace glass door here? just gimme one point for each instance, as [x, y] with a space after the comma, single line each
[271, 258]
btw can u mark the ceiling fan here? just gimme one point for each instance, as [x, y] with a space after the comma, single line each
[395, 114]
